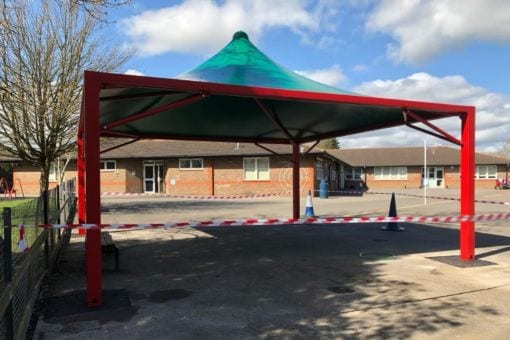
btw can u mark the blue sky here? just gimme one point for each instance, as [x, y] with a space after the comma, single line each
[438, 50]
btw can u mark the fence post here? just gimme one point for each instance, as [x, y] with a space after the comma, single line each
[8, 315]
[46, 221]
[59, 213]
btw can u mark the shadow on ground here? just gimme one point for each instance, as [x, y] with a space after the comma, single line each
[142, 206]
[302, 282]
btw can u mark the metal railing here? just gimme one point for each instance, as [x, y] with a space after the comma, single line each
[22, 271]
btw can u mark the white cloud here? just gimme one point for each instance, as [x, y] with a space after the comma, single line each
[424, 29]
[360, 68]
[134, 72]
[492, 111]
[204, 26]
[332, 76]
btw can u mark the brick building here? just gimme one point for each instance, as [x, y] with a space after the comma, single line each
[223, 169]
[403, 167]
[199, 168]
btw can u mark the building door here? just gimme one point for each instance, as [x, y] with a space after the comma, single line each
[439, 175]
[435, 177]
[153, 178]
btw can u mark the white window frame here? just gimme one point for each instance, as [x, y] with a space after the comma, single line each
[483, 172]
[103, 165]
[390, 173]
[191, 167]
[257, 171]
[320, 171]
[351, 174]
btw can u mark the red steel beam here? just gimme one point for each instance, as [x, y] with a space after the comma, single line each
[120, 145]
[112, 80]
[137, 95]
[467, 185]
[92, 188]
[80, 165]
[295, 180]
[313, 146]
[166, 107]
[115, 134]
[290, 160]
[440, 131]
[273, 118]
[437, 135]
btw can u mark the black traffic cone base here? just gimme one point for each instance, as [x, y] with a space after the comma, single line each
[392, 226]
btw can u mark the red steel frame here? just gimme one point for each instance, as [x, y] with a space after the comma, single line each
[467, 184]
[89, 132]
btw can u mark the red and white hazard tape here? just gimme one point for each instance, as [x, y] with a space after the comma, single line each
[290, 221]
[353, 192]
[195, 197]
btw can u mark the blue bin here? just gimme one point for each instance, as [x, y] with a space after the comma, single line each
[324, 188]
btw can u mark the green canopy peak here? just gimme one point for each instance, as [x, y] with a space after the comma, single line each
[240, 35]
[242, 63]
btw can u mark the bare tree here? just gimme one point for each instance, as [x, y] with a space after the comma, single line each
[97, 8]
[44, 49]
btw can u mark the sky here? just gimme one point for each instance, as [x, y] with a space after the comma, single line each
[451, 51]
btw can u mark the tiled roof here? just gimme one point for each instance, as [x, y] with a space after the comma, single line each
[173, 148]
[436, 155]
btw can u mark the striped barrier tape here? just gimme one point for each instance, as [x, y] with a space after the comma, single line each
[346, 192]
[359, 192]
[195, 196]
[288, 221]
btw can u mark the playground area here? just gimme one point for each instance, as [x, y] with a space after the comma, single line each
[288, 282]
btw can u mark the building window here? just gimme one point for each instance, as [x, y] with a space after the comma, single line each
[256, 169]
[390, 173]
[108, 165]
[486, 171]
[191, 163]
[353, 173]
[319, 170]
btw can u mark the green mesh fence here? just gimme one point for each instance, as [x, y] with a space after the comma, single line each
[29, 267]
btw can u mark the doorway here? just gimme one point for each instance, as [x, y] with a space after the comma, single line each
[153, 177]
[435, 176]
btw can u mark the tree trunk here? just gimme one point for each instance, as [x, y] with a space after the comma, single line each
[45, 175]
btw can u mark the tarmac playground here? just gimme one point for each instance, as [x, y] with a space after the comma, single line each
[344, 281]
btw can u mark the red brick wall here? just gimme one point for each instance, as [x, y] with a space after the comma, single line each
[227, 174]
[413, 180]
[188, 181]
[27, 179]
[451, 178]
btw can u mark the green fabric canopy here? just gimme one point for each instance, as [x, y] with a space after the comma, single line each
[240, 94]
[241, 63]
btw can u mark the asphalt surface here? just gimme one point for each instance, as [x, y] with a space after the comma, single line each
[288, 282]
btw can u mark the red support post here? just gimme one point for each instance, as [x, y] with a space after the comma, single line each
[80, 165]
[92, 188]
[295, 180]
[467, 185]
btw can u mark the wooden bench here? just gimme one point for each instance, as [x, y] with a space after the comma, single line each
[108, 246]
